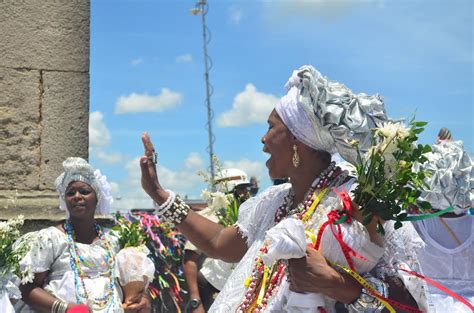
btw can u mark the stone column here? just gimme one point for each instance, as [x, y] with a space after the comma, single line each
[44, 100]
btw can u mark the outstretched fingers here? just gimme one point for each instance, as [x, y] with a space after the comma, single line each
[147, 144]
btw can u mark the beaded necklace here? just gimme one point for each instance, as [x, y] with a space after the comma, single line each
[76, 261]
[265, 280]
[320, 182]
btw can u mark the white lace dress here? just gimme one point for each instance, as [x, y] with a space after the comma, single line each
[49, 252]
[256, 217]
[447, 262]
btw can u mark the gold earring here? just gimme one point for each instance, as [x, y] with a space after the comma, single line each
[296, 157]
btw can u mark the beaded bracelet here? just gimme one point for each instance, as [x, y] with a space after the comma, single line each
[366, 302]
[161, 209]
[177, 211]
[59, 307]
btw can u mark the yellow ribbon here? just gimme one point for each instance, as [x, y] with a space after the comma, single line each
[364, 284]
[261, 294]
[315, 203]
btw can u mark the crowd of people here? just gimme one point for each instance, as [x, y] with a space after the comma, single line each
[276, 257]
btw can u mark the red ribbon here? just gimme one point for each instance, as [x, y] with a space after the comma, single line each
[346, 202]
[442, 288]
[334, 218]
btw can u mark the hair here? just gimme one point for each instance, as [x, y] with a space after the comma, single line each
[323, 156]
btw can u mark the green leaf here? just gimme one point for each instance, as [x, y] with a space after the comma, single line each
[426, 206]
[427, 149]
[398, 224]
[420, 124]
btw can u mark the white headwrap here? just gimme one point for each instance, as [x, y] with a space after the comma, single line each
[452, 177]
[326, 115]
[77, 169]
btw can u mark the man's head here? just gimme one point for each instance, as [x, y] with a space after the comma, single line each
[233, 180]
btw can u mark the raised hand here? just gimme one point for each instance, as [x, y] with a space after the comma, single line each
[149, 179]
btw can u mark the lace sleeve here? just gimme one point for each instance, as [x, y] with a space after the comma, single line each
[42, 251]
[400, 250]
[256, 214]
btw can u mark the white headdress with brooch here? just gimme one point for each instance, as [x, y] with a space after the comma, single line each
[326, 115]
[77, 169]
[452, 177]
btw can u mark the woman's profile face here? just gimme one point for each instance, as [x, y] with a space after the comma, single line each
[81, 200]
[278, 142]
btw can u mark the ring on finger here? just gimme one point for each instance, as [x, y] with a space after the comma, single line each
[153, 157]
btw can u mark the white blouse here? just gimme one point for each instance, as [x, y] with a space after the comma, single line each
[256, 217]
[50, 252]
[447, 262]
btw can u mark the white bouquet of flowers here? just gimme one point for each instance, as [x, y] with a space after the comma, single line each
[387, 182]
[12, 251]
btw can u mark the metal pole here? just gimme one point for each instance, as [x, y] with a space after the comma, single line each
[203, 4]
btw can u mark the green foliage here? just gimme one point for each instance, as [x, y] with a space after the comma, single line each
[130, 234]
[11, 250]
[388, 183]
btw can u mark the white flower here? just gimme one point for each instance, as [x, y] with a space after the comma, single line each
[219, 200]
[388, 146]
[206, 195]
[403, 132]
[230, 197]
[390, 166]
[392, 130]
[27, 276]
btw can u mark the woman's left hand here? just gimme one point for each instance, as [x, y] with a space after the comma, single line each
[313, 274]
[142, 306]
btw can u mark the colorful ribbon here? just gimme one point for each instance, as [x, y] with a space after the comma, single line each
[419, 217]
[441, 287]
[335, 218]
[388, 303]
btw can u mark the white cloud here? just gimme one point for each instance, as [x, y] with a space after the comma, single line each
[180, 181]
[194, 161]
[99, 138]
[250, 106]
[135, 103]
[184, 58]
[328, 10]
[137, 61]
[106, 157]
[252, 168]
[115, 188]
[236, 14]
[99, 135]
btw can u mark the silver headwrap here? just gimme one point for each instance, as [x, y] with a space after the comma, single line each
[326, 115]
[452, 177]
[77, 169]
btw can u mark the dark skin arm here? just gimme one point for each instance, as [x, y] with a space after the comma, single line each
[142, 306]
[191, 270]
[211, 238]
[35, 296]
[399, 293]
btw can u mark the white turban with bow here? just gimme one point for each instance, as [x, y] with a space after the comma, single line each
[326, 115]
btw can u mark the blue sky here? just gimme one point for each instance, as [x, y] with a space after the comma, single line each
[147, 74]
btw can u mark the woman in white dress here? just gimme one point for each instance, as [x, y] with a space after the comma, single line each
[448, 256]
[74, 262]
[314, 120]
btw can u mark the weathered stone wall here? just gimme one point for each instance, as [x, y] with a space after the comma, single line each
[44, 100]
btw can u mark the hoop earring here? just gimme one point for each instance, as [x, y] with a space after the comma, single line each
[296, 157]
